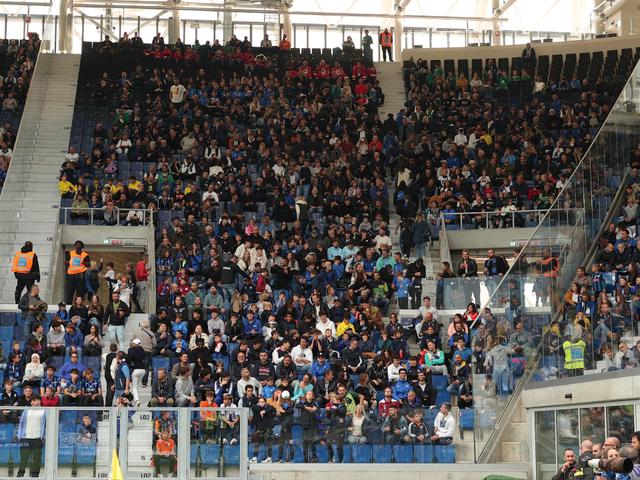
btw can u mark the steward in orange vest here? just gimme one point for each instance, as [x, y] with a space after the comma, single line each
[26, 269]
[77, 262]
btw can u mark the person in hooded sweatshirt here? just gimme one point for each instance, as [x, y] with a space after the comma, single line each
[26, 269]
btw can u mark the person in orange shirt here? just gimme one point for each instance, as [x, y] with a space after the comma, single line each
[208, 417]
[165, 454]
[285, 44]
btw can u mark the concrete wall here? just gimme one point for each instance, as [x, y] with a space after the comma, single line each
[501, 238]
[552, 48]
[617, 386]
[459, 471]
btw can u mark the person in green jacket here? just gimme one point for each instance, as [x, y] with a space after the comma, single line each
[434, 359]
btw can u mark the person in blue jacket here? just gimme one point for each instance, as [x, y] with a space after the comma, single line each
[401, 287]
[402, 386]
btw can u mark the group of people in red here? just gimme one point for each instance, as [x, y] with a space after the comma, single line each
[325, 72]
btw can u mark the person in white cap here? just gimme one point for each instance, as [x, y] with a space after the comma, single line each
[136, 358]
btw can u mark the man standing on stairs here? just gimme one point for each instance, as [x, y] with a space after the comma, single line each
[25, 268]
[367, 41]
[386, 42]
[77, 261]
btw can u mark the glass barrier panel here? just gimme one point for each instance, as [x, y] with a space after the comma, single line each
[23, 452]
[84, 442]
[578, 330]
[152, 442]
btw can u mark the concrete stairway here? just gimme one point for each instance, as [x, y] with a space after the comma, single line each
[30, 199]
[390, 76]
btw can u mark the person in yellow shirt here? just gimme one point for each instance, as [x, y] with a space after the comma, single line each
[67, 189]
[344, 326]
[134, 185]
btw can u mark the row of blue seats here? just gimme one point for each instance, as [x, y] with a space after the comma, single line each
[210, 454]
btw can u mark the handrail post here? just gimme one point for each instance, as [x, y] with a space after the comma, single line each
[91, 216]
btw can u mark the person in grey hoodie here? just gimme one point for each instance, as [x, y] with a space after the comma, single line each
[183, 390]
[55, 339]
[498, 359]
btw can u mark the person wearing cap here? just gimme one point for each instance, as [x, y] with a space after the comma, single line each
[25, 268]
[78, 262]
[136, 356]
[443, 426]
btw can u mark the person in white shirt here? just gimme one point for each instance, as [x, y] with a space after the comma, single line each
[325, 324]
[210, 194]
[124, 144]
[72, 155]
[460, 138]
[383, 240]
[393, 370]
[177, 92]
[31, 437]
[426, 307]
[302, 356]
[443, 426]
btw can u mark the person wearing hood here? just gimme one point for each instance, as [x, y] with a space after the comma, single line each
[26, 269]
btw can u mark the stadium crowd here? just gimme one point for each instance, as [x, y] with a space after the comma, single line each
[17, 61]
[267, 178]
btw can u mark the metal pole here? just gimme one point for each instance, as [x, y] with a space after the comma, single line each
[55, 37]
[139, 34]
[82, 28]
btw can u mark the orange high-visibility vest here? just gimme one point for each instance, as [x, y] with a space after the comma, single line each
[22, 262]
[386, 39]
[76, 263]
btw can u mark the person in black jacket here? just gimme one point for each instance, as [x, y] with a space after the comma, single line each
[115, 316]
[137, 364]
[468, 271]
[113, 350]
[262, 420]
[495, 266]
[25, 274]
[230, 271]
[424, 389]
[309, 422]
[568, 467]
[336, 420]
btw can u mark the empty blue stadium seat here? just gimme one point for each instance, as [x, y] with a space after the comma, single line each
[423, 453]
[6, 332]
[160, 362]
[466, 418]
[92, 362]
[7, 319]
[382, 453]
[347, 454]
[442, 396]
[439, 382]
[232, 454]
[445, 453]
[403, 453]
[361, 453]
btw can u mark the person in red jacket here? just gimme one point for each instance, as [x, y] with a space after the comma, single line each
[358, 70]
[305, 71]
[323, 71]
[362, 88]
[337, 71]
[50, 399]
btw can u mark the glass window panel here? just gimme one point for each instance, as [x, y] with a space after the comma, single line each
[592, 424]
[545, 445]
[567, 426]
[316, 37]
[620, 422]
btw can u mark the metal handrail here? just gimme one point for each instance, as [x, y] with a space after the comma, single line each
[96, 216]
[488, 215]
